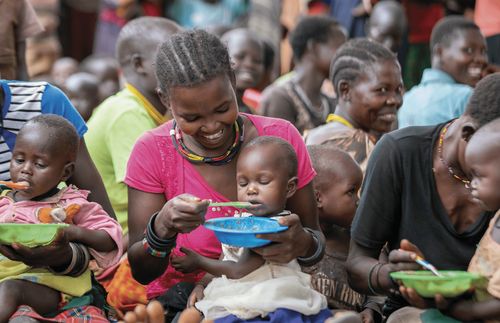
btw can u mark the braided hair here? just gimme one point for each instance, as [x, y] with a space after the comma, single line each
[189, 58]
[354, 57]
[484, 103]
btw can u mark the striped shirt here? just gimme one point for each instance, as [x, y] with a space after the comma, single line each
[24, 101]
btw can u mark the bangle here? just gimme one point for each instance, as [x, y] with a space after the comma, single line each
[377, 279]
[370, 287]
[79, 263]
[320, 249]
[155, 242]
[153, 252]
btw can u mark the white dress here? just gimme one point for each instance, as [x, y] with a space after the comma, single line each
[261, 292]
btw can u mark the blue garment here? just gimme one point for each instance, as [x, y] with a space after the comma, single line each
[24, 101]
[341, 10]
[281, 315]
[198, 13]
[437, 99]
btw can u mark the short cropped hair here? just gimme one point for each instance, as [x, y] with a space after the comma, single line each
[447, 28]
[317, 28]
[484, 103]
[284, 152]
[354, 57]
[189, 58]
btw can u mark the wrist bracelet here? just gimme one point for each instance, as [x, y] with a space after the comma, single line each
[156, 242]
[370, 286]
[320, 249]
[79, 263]
[71, 266]
[153, 252]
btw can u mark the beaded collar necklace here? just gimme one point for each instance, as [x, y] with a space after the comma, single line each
[466, 182]
[222, 159]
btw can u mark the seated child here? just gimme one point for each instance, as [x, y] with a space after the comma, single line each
[83, 91]
[482, 157]
[337, 205]
[247, 286]
[43, 156]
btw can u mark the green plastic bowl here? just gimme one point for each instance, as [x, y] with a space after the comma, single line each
[426, 284]
[29, 235]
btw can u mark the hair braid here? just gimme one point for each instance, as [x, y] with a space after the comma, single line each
[189, 58]
[354, 57]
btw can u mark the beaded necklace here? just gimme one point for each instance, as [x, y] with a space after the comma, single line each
[466, 182]
[225, 158]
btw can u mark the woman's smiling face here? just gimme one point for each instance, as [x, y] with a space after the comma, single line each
[206, 113]
[376, 95]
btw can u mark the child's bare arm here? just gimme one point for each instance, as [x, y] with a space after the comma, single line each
[472, 310]
[98, 240]
[248, 262]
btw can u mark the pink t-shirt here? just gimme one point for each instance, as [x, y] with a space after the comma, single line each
[91, 216]
[156, 167]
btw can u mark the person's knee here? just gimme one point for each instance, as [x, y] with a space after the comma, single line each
[10, 291]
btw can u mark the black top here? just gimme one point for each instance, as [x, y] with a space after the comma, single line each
[399, 200]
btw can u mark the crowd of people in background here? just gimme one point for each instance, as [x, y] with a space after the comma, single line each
[369, 127]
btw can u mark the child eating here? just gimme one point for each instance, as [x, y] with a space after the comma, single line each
[43, 156]
[250, 287]
[336, 187]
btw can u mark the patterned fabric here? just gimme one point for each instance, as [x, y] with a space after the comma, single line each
[124, 292]
[84, 314]
[329, 277]
[355, 142]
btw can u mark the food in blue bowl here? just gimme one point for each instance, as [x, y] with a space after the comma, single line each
[240, 232]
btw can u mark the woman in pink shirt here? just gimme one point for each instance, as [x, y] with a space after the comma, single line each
[175, 169]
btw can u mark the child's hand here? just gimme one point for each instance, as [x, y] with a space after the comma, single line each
[367, 315]
[196, 295]
[188, 263]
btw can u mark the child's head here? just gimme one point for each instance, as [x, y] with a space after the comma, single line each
[387, 24]
[482, 156]
[106, 70]
[459, 49]
[62, 69]
[266, 174]
[316, 39]
[367, 79]
[83, 91]
[246, 50]
[336, 184]
[136, 48]
[44, 154]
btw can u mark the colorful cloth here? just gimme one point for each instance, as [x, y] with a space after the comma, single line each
[24, 101]
[91, 216]
[156, 167]
[114, 127]
[83, 314]
[438, 98]
[202, 14]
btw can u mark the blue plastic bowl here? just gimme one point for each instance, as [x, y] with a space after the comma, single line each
[240, 232]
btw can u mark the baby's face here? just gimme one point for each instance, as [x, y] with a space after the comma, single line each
[483, 163]
[261, 181]
[34, 161]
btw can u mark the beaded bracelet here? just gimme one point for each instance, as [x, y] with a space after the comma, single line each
[318, 254]
[153, 252]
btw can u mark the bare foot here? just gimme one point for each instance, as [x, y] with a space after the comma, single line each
[153, 313]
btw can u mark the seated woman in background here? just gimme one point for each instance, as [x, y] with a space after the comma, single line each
[367, 79]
